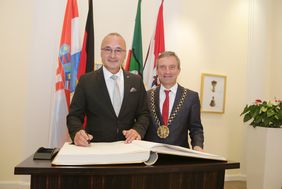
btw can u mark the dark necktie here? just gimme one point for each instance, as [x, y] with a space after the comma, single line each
[166, 107]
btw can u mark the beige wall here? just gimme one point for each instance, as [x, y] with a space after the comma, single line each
[276, 58]
[237, 38]
[15, 19]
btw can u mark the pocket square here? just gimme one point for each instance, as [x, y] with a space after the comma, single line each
[132, 90]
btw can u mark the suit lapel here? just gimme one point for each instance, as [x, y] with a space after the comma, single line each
[127, 84]
[177, 98]
[104, 90]
[157, 106]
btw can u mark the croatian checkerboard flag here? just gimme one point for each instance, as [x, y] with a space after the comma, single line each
[66, 75]
[157, 45]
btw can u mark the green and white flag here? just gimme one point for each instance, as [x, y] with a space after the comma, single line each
[134, 62]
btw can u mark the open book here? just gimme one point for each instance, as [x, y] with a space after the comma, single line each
[120, 153]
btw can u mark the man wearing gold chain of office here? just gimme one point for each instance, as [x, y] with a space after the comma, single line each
[174, 110]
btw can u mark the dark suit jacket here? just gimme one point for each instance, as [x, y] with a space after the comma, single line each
[186, 119]
[91, 98]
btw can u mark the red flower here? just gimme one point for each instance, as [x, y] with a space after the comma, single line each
[258, 101]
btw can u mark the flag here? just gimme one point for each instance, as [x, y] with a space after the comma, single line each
[87, 52]
[157, 45]
[87, 57]
[134, 61]
[66, 75]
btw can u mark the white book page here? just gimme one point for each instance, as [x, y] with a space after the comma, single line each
[176, 150]
[101, 153]
[146, 144]
[187, 152]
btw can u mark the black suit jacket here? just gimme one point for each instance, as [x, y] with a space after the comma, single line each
[91, 98]
[186, 119]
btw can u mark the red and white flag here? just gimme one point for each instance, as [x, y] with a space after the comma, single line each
[157, 45]
[66, 75]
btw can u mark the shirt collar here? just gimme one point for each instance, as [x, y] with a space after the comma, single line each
[172, 89]
[108, 74]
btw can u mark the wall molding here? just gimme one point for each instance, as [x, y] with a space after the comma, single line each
[14, 185]
[235, 177]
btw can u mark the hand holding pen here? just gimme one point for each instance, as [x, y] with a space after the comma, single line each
[82, 138]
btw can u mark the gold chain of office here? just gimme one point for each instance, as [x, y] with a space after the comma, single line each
[163, 130]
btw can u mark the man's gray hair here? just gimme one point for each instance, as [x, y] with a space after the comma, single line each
[168, 54]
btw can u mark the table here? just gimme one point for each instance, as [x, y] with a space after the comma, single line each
[167, 173]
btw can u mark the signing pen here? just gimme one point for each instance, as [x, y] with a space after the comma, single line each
[88, 140]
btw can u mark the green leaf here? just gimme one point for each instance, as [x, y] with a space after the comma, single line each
[247, 117]
[246, 109]
[263, 109]
[270, 113]
[258, 120]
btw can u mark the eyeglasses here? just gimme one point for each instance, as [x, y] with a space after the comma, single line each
[116, 51]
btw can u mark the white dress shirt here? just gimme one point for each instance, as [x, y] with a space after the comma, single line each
[172, 95]
[110, 82]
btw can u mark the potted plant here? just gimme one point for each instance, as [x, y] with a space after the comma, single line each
[263, 144]
[264, 113]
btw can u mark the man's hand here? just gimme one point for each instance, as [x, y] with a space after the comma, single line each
[82, 138]
[131, 135]
[198, 148]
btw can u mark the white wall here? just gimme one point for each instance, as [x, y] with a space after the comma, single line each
[231, 38]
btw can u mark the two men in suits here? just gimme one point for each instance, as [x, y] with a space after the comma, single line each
[113, 100]
[174, 110]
